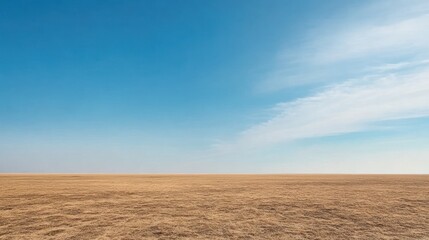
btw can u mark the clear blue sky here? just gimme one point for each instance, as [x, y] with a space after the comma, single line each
[214, 86]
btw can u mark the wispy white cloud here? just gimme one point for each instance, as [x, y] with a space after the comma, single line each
[397, 38]
[346, 107]
[396, 88]
[385, 32]
[397, 66]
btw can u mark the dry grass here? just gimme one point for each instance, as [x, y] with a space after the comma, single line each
[214, 206]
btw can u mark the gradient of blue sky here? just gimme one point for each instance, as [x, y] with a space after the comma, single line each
[214, 86]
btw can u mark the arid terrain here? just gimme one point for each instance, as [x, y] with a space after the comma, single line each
[214, 206]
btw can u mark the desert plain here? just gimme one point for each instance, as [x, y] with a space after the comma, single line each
[73, 206]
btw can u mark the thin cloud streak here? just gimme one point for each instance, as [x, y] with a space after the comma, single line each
[398, 66]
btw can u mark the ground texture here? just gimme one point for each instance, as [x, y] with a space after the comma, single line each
[214, 206]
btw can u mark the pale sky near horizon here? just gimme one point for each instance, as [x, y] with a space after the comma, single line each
[246, 86]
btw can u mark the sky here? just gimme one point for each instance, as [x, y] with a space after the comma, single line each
[245, 86]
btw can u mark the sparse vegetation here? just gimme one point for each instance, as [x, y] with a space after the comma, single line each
[214, 206]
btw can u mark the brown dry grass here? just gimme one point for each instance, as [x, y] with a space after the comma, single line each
[214, 206]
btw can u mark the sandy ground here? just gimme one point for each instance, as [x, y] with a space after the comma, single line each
[214, 206]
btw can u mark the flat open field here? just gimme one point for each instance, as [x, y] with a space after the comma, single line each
[214, 206]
